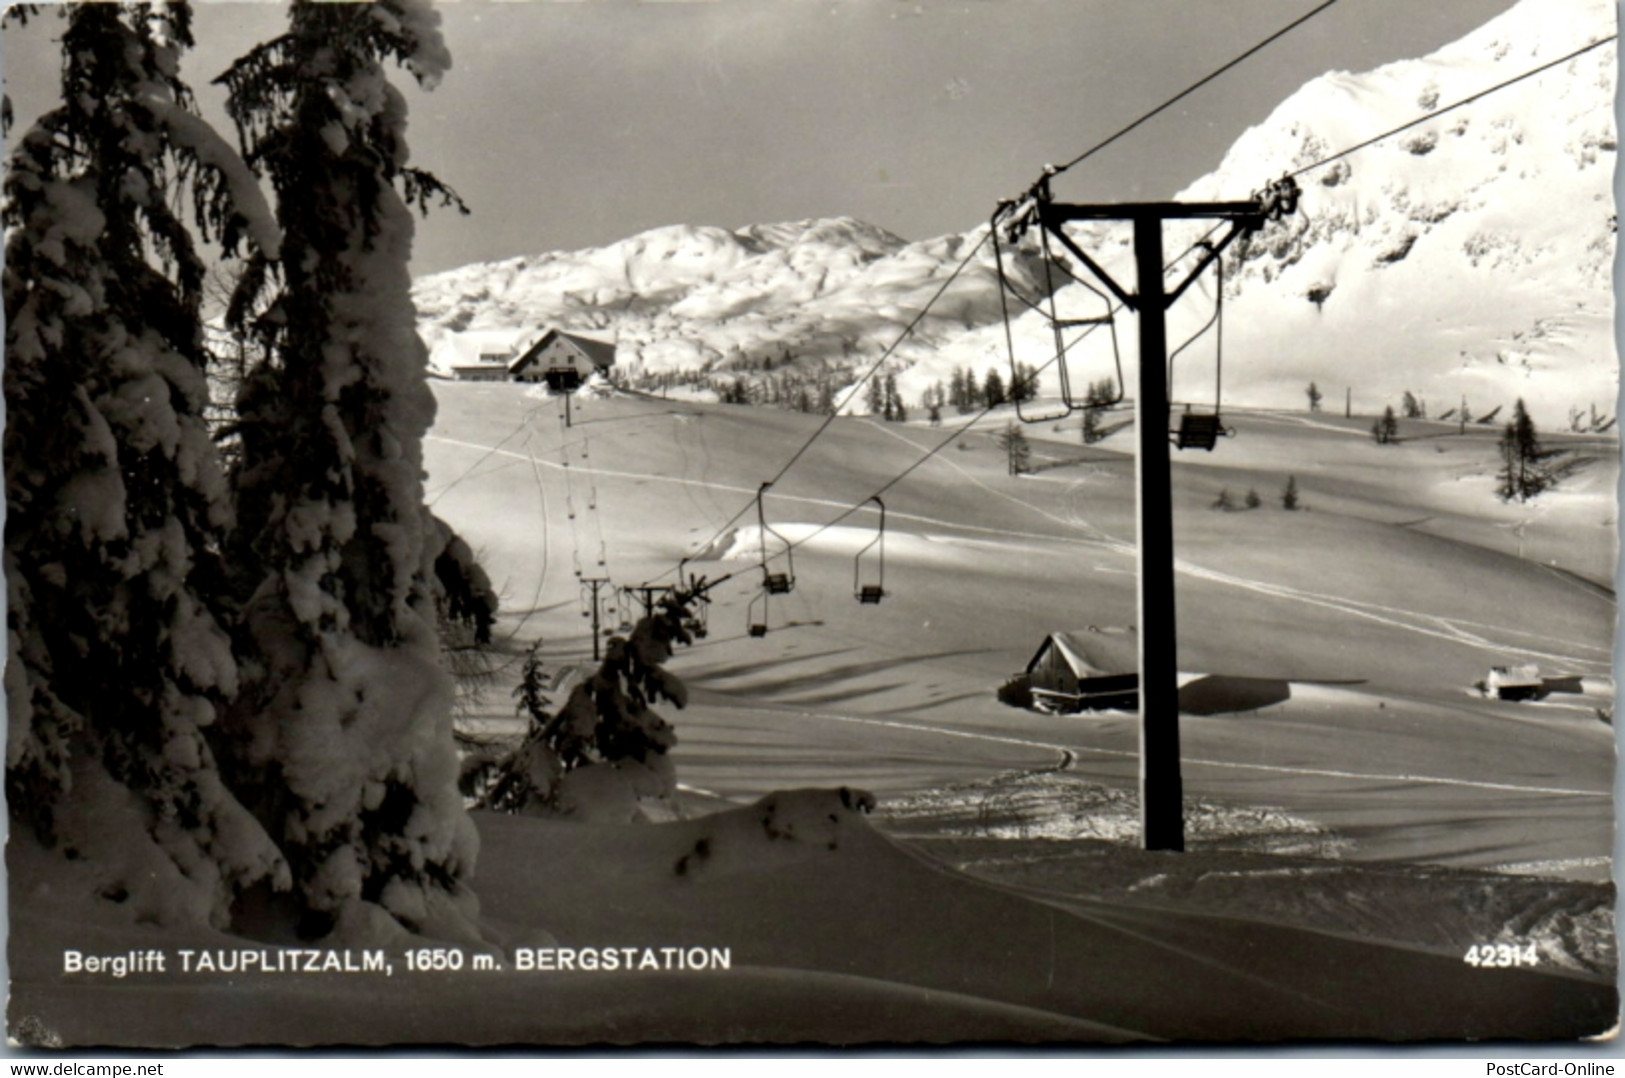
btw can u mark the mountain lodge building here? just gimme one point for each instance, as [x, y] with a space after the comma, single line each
[555, 351]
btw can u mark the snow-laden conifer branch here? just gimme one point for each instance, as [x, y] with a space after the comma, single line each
[345, 718]
[605, 749]
[115, 502]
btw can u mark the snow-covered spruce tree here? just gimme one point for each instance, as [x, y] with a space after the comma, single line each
[115, 500]
[345, 709]
[465, 610]
[605, 750]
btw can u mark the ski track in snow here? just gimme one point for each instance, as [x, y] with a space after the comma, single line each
[830, 503]
[1454, 630]
[1305, 421]
[1450, 629]
[1320, 772]
[1096, 534]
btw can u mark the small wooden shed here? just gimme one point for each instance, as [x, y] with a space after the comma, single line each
[1063, 679]
[1515, 682]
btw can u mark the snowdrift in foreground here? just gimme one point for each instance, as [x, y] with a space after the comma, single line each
[832, 932]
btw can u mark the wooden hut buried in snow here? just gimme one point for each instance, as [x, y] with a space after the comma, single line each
[1514, 682]
[1064, 680]
[562, 360]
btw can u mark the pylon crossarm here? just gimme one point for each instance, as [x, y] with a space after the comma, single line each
[1213, 253]
[1056, 213]
[1127, 300]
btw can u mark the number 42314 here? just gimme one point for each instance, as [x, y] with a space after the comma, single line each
[1501, 955]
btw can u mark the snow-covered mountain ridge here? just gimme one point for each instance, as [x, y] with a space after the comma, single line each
[1468, 257]
[694, 297]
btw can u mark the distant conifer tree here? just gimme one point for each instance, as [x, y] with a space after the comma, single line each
[1386, 429]
[993, 389]
[1289, 493]
[876, 398]
[1527, 467]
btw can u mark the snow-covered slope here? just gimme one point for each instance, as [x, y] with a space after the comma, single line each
[1467, 257]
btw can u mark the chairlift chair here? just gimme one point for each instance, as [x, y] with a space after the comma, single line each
[618, 613]
[754, 627]
[1199, 430]
[866, 593]
[774, 583]
[1047, 309]
[1202, 430]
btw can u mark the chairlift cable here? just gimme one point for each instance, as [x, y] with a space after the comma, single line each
[852, 392]
[1075, 161]
[523, 424]
[541, 580]
[909, 329]
[592, 503]
[570, 501]
[1197, 85]
[541, 577]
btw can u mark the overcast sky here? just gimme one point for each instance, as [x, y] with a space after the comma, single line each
[568, 125]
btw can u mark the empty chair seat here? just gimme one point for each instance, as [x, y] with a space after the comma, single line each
[1198, 431]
